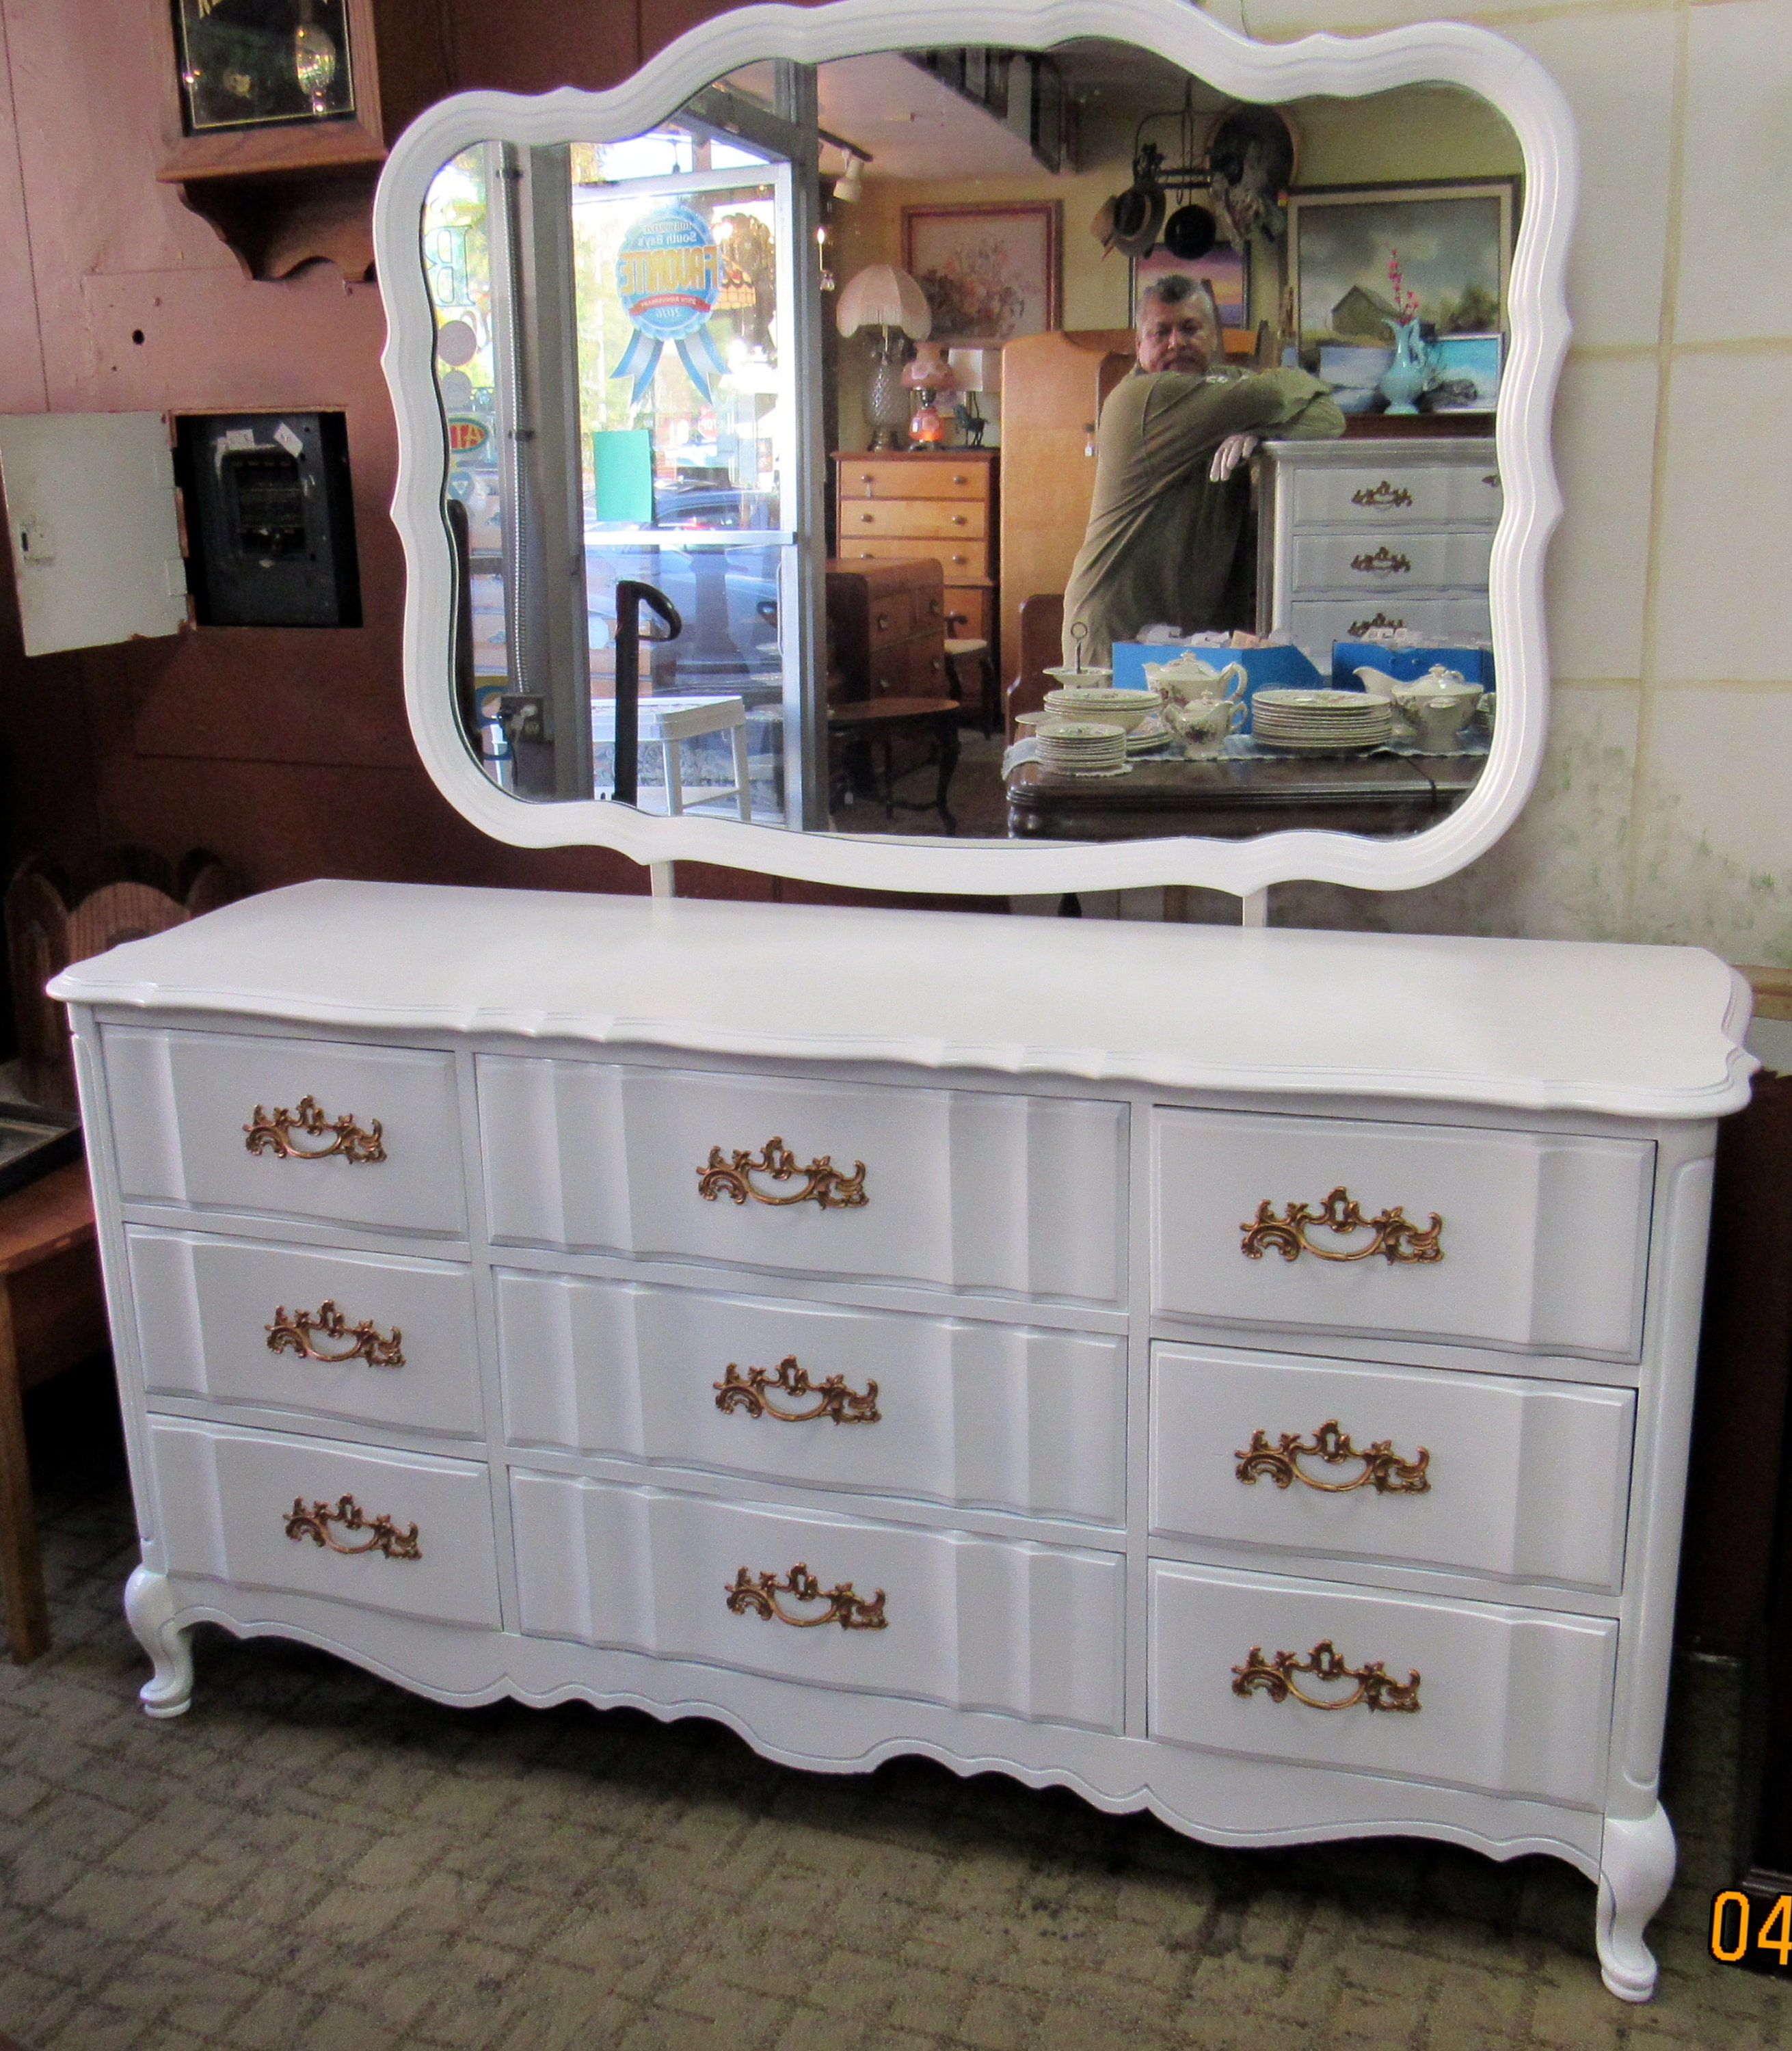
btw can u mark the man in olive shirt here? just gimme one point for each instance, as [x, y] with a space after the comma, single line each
[1171, 497]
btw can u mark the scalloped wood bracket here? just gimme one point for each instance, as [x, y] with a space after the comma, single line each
[273, 225]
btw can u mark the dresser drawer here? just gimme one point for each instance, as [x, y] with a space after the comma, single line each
[1523, 1480]
[955, 1412]
[865, 476]
[944, 518]
[1391, 561]
[912, 669]
[957, 558]
[1513, 1702]
[970, 615]
[219, 1122]
[403, 1532]
[1316, 624]
[354, 1336]
[1394, 495]
[1542, 1243]
[975, 1624]
[963, 1188]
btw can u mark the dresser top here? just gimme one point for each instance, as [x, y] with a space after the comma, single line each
[1635, 1031]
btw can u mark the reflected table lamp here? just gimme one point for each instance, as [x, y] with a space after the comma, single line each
[888, 304]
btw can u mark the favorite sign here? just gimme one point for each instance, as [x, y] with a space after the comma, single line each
[669, 277]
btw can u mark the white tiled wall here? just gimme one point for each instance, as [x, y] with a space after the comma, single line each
[1665, 812]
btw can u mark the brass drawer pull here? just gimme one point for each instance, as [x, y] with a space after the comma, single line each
[1376, 1688]
[1386, 492]
[1384, 562]
[1397, 1239]
[276, 1134]
[823, 1183]
[832, 1398]
[1359, 627]
[845, 1606]
[386, 1536]
[1384, 1470]
[298, 1331]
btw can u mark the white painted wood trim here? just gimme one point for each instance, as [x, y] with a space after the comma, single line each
[1512, 80]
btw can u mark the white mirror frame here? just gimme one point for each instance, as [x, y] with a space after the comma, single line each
[1439, 52]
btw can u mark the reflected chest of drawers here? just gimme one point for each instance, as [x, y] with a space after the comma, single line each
[1032, 1348]
[1377, 533]
[934, 505]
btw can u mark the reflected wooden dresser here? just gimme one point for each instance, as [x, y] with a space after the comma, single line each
[1375, 533]
[933, 504]
[1034, 1344]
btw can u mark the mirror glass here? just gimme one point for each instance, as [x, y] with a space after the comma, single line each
[1024, 445]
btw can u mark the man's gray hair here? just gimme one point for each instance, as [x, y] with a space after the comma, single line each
[1177, 289]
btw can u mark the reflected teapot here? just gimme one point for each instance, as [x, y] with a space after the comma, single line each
[1189, 679]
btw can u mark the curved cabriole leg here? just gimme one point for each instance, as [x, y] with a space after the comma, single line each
[149, 1609]
[1636, 1870]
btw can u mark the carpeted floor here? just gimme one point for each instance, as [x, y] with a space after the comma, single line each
[312, 1859]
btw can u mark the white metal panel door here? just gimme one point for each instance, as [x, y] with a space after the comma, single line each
[95, 539]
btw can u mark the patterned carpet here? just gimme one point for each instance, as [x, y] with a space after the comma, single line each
[312, 1859]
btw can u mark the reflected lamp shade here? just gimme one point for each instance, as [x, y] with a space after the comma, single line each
[882, 296]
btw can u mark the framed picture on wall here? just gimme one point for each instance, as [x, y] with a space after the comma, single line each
[1449, 241]
[1226, 272]
[991, 273]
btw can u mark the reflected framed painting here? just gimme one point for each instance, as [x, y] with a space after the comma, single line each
[1224, 271]
[991, 273]
[1361, 257]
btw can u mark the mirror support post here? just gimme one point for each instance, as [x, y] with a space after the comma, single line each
[1253, 908]
[806, 727]
[547, 459]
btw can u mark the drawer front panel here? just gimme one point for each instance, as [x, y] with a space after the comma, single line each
[1514, 1702]
[210, 1308]
[1526, 1480]
[964, 1190]
[945, 518]
[957, 558]
[955, 1412]
[192, 1097]
[1395, 495]
[914, 668]
[976, 1623]
[1317, 623]
[1395, 560]
[1544, 1241]
[226, 1501]
[864, 477]
[968, 616]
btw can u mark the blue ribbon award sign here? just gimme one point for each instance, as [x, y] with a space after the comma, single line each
[669, 275]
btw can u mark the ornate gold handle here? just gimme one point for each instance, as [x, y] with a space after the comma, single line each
[297, 1331]
[1384, 1470]
[823, 1183]
[1384, 562]
[1376, 1688]
[1386, 492]
[346, 1138]
[845, 1606]
[383, 1535]
[832, 1398]
[1359, 627]
[1397, 1239]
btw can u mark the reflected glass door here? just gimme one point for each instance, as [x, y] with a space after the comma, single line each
[617, 376]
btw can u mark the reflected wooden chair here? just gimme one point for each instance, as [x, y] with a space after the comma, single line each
[1042, 632]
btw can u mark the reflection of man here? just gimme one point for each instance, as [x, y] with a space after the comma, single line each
[1172, 497]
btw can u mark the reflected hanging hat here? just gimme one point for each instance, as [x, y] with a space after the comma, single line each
[1137, 220]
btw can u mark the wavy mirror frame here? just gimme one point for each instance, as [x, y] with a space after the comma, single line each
[1509, 78]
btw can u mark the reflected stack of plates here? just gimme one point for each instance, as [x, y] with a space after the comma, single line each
[1322, 722]
[1082, 748]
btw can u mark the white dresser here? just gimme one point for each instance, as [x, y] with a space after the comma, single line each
[1389, 533]
[1242, 1374]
